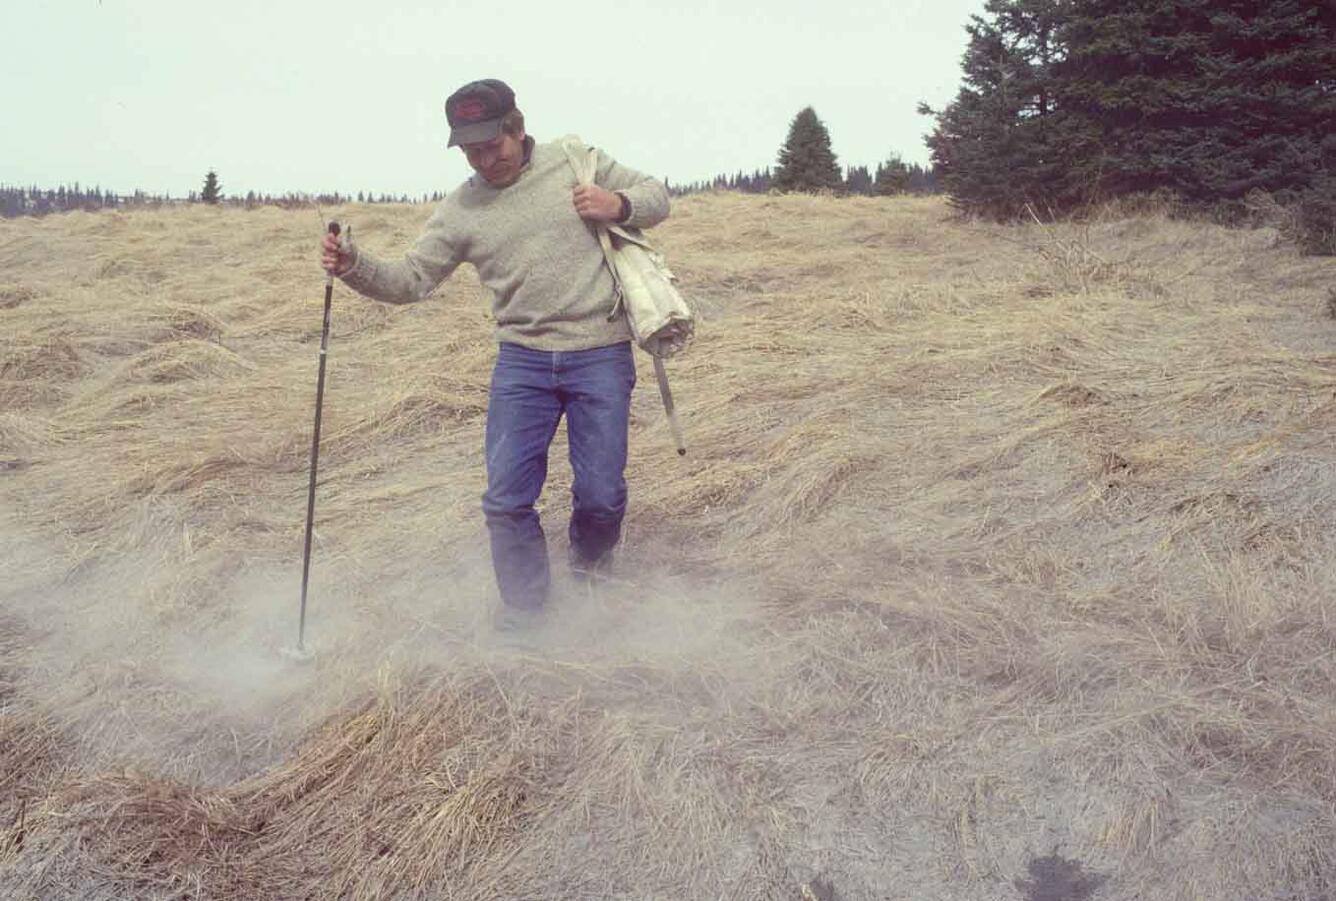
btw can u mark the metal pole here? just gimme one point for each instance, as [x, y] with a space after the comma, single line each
[315, 450]
[666, 394]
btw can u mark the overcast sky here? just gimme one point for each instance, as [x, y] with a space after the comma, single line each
[281, 96]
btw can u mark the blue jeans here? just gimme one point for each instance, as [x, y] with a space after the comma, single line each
[531, 389]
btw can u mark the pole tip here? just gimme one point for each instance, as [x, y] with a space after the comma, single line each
[298, 654]
[681, 451]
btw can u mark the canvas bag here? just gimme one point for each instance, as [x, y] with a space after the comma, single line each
[660, 320]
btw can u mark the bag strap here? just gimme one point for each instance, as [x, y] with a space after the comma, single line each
[584, 174]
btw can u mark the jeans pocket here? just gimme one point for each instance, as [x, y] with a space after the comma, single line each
[627, 362]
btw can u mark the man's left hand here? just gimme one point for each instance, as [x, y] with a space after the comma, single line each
[597, 205]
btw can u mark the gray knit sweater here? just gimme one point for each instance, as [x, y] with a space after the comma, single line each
[542, 262]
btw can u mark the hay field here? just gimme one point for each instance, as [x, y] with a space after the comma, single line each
[1002, 566]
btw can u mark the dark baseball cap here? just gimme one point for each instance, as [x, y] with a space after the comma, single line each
[475, 111]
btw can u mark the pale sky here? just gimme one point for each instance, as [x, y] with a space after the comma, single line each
[281, 96]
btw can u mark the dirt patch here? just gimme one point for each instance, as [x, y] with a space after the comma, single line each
[13, 295]
[1055, 878]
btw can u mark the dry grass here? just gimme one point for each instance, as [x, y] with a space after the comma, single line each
[995, 547]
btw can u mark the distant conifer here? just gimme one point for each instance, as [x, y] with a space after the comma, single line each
[806, 162]
[892, 176]
[211, 192]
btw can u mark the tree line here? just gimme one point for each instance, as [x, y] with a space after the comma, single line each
[35, 201]
[807, 163]
[1065, 103]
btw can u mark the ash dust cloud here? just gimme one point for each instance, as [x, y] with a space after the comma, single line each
[981, 574]
[208, 693]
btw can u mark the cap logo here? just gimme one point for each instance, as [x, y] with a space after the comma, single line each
[470, 110]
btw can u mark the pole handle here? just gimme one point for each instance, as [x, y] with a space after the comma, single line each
[333, 230]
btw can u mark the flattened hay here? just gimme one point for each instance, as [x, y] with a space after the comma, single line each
[1003, 556]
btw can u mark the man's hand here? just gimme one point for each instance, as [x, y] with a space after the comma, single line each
[597, 205]
[333, 257]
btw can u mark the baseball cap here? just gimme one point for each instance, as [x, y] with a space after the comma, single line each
[475, 111]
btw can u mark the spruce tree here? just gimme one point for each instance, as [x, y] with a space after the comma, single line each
[211, 192]
[892, 177]
[806, 162]
[999, 145]
[1067, 101]
[1209, 100]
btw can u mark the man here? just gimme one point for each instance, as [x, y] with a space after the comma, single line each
[530, 231]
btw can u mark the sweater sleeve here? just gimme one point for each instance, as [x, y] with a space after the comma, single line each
[647, 196]
[429, 262]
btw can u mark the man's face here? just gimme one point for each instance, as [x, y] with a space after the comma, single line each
[499, 160]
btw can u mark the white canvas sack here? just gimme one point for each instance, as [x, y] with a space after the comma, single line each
[660, 319]
[661, 322]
